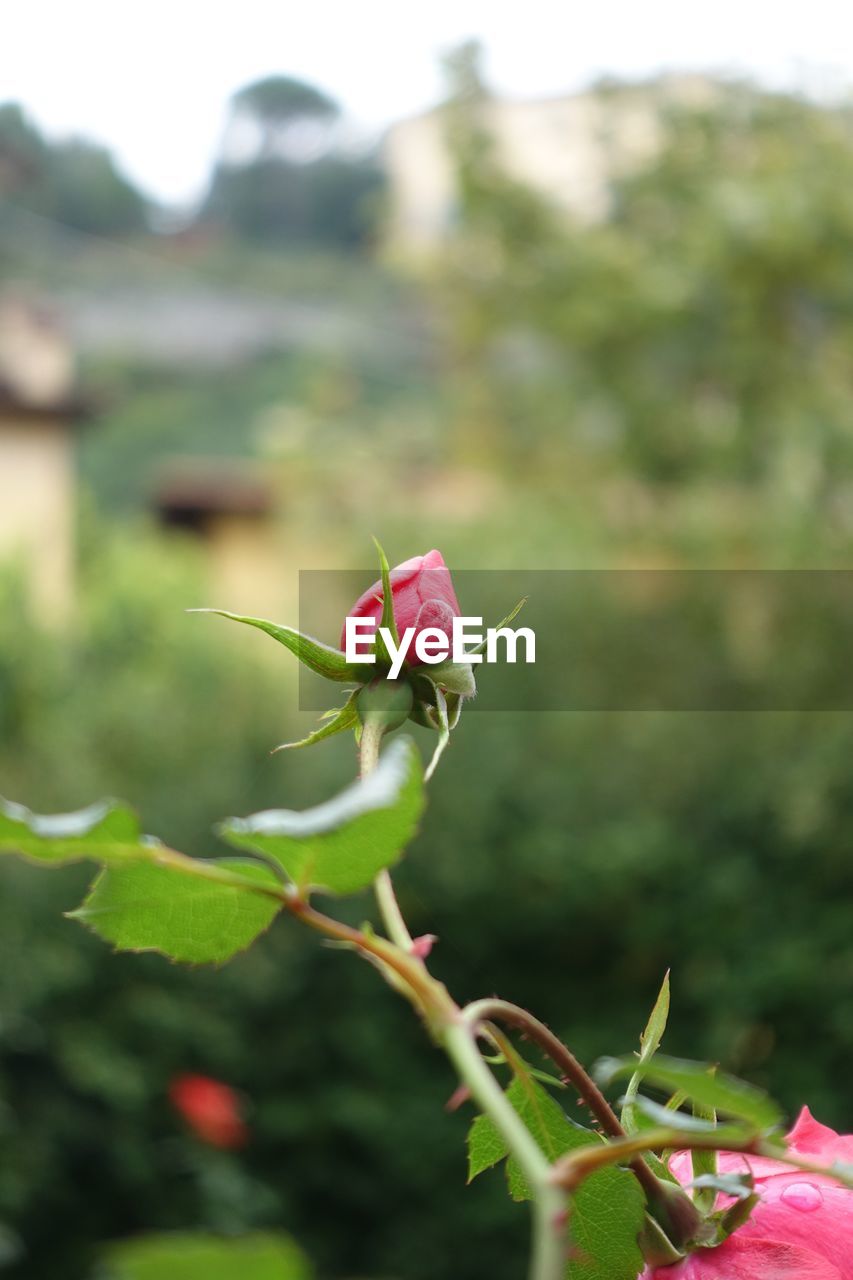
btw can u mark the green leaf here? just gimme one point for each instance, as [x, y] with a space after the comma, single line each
[148, 897]
[607, 1212]
[312, 653]
[335, 721]
[106, 831]
[260, 1256]
[146, 906]
[545, 1119]
[649, 1045]
[480, 648]
[607, 1217]
[342, 845]
[724, 1093]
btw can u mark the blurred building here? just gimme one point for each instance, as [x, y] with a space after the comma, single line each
[40, 407]
[565, 148]
[229, 505]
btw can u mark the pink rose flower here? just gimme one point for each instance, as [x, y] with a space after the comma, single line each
[802, 1227]
[422, 594]
[211, 1109]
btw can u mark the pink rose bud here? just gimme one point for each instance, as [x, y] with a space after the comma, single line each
[422, 595]
[802, 1226]
[211, 1109]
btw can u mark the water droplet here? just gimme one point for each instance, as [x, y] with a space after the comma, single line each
[803, 1196]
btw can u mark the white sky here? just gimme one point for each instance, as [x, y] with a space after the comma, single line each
[152, 79]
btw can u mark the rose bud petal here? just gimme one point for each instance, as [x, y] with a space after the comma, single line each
[211, 1109]
[422, 595]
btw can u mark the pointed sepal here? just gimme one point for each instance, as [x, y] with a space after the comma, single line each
[321, 658]
[335, 721]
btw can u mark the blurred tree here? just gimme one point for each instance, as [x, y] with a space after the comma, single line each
[283, 177]
[73, 181]
[279, 106]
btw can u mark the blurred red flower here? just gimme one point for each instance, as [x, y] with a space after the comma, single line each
[211, 1109]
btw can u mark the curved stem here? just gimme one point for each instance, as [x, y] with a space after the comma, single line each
[372, 731]
[459, 1041]
[513, 1015]
[389, 908]
[430, 996]
[573, 1168]
[549, 1209]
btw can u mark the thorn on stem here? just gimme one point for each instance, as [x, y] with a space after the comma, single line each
[422, 946]
[456, 1099]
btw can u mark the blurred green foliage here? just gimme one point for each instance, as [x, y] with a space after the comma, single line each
[672, 385]
[696, 340]
[201, 1257]
[74, 182]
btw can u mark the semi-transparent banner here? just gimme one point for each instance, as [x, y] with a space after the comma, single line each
[621, 640]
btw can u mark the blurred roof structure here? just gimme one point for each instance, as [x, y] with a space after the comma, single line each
[190, 492]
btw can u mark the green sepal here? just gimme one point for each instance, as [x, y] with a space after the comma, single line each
[321, 658]
[342, 845]
[335, 721]
[420, 714]
[440, 714]
[454, 710]
[480, 648]
[704, 1163]
[718, 1226]
[672, 1118]
[387, 620]
[734, 1217]
[656, 1246]
[649, 1045]
[725, 1093]
[738, 1186]
[453, 677]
